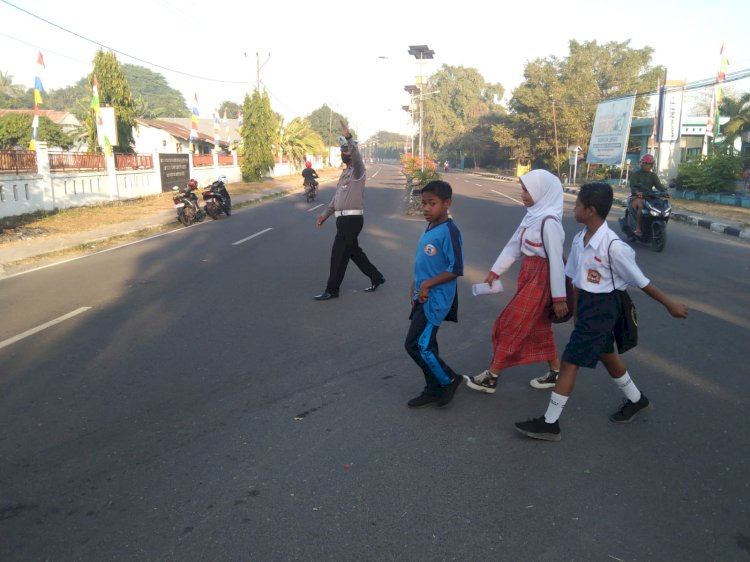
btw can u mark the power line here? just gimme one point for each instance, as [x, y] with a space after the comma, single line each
[99, 44]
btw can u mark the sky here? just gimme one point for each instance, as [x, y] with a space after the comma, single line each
[354, 56]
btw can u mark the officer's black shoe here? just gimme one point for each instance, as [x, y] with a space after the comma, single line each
[325, 296]
[375, 285]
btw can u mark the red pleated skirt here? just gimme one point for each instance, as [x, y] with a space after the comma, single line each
[523, 332]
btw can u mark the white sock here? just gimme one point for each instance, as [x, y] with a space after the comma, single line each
[626, 384]
[555, 408]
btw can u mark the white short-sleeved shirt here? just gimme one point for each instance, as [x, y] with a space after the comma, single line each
[588, 266]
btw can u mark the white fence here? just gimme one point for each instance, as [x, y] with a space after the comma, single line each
[48, 190]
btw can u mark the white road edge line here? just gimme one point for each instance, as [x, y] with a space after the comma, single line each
[508, 196]
[251, 237]
[44, 326]
[315, 207]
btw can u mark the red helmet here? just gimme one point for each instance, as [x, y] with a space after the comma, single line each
[192, 184]
[308, 164]
[647, 159]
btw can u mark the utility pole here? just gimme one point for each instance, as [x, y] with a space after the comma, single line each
[557, 150]
[258, 66]
[421, 52]
[330, 125]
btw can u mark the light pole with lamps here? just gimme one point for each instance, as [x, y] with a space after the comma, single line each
[412, 89]
[421, 52]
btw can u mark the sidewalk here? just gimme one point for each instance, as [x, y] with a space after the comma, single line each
[715, 224]
[37, 247]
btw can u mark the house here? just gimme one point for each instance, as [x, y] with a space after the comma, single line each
[67, 121]
[173, 135]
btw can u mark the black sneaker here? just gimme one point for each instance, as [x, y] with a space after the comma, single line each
[630, 410]
[423, 400]
[540, 429]
[450, 390]
[547, 381]
[483, 382]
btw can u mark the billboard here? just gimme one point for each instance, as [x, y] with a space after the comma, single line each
[609, 138]
[671, 115]
[174, 170]
[106, 128]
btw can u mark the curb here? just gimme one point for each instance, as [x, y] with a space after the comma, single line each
[710, 224]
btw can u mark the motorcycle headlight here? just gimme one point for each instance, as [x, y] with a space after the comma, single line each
[655, 213]
[667, 212]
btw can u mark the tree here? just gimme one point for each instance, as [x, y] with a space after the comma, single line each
[159, 99]
[297, 139]
[738, 111]
[462, 99]
[258, 131]
[15, 131]
[232, 109]
[114, 91]
[576, 84]
[325, 122]
[7, 88]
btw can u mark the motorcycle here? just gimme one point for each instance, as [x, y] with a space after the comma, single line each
[311, 189]
[654, 217]
[216, 200]
[186, 203]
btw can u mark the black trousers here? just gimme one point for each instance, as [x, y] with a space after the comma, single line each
[346, 247]
[422, 346]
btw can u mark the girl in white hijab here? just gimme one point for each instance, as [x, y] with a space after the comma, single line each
[523, 331]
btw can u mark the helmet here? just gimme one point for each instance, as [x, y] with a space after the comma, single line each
[192, 184]
[308, 164]
[223, 178]
[647, 159]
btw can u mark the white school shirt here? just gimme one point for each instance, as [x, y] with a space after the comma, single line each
[588, 266]
[528, 241]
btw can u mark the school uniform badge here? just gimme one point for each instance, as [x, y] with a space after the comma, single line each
[430, 250]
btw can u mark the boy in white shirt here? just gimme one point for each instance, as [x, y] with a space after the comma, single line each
[592, 339]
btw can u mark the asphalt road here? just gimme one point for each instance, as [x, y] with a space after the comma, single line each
[200, 405]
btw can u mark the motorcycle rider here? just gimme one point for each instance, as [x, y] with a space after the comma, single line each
[642, 183]
[309, 174]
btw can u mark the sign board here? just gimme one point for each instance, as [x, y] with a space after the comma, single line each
[609, 138]
[174, 170]
[108, 127]
[671, 116]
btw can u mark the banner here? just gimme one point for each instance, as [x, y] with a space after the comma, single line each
[106, 131]
[671, 117]
[609, 138]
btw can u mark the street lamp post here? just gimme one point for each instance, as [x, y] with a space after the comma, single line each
[421, 52]
[412, 89]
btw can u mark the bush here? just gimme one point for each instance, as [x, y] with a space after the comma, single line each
[413, 170]
[713, 174]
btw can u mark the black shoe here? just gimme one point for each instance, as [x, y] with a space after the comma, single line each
[450, 390]
[630, 410]
[325, 296]
[540, 429]
[423, 400]
[375, 285]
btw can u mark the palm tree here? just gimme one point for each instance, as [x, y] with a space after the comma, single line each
[297, 139]
[8, 88]
[738, 111]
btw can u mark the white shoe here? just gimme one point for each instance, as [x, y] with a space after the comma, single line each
[483, 382]
[547, 381]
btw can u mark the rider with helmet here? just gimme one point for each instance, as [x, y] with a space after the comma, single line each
[309, 174]
[642, 183]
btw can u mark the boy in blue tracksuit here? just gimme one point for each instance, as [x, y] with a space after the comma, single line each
[437, 266]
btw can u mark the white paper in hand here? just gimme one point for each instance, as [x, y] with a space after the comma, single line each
[486, 288]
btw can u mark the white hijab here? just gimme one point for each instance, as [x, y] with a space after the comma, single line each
[546, 191]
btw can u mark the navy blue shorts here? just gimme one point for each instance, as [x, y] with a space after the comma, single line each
[592, 334]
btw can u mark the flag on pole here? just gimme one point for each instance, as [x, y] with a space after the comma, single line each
[95, 102]
[217, 138]
[712, 125]
[194, 123]
[38, 89]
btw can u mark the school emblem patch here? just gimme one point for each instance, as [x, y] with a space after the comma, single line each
[430, 250]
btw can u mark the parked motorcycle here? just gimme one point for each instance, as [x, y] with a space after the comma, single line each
[654, 217]
[217, 200]
[311, 189]
[186, 203]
